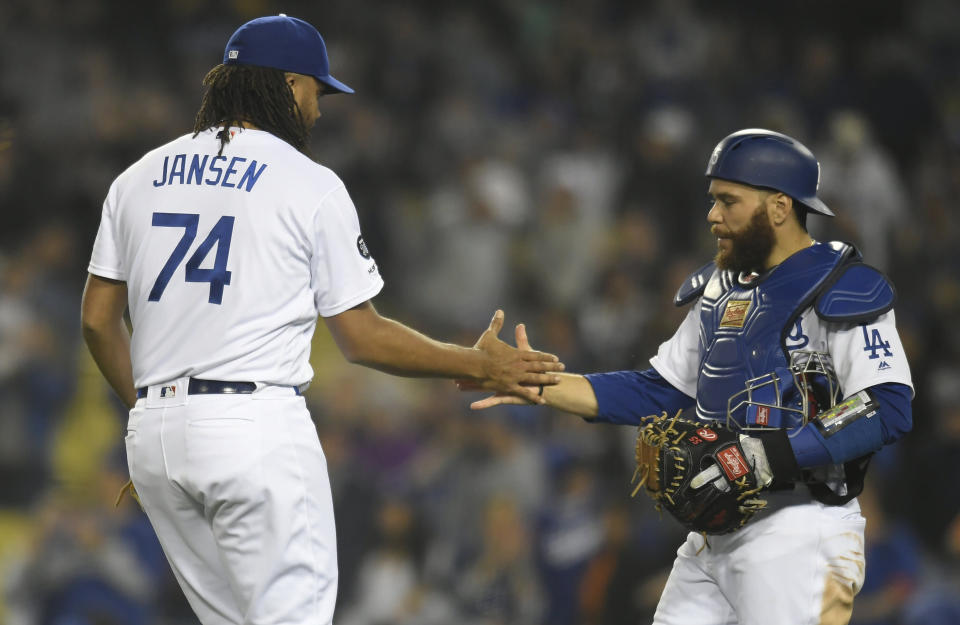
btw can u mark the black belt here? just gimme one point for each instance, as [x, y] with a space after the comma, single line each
[214, 387]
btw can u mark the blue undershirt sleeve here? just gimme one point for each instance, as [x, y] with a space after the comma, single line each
[626, 397]
[894, 418]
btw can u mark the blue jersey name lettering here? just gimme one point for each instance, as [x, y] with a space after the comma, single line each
[234, 173]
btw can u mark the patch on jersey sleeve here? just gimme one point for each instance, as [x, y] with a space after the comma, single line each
[362, 247]
[735, 314]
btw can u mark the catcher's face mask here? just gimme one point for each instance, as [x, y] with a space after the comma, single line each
[787, 397]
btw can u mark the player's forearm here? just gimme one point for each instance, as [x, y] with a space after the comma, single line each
[893, 417]
[574, 394]
[631, 397]
[106, 334]
[109, 345]
[394, 348]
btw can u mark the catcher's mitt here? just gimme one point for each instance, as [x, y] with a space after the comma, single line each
[708, 476]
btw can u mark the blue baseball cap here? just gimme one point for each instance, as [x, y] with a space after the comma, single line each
[285, 43]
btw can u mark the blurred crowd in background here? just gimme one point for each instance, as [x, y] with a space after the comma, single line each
[541, 156]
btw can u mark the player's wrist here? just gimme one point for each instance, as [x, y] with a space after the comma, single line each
[485, 366]
[780, 457]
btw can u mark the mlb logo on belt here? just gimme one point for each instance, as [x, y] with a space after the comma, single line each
[168, 391]
[735, 314]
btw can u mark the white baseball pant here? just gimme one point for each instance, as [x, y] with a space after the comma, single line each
[236, 488]
[799, 564]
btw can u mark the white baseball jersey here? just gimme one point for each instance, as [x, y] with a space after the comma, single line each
[863, 354]
[229, 259]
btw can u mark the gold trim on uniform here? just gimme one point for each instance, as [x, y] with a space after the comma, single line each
[735, 314]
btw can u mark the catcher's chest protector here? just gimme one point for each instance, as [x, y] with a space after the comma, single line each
[744, 327]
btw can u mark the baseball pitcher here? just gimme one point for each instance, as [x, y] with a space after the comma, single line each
[225, 245]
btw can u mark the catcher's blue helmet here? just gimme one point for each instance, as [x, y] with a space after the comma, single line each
[767, 159]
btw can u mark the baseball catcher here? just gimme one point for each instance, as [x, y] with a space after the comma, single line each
[786, 374]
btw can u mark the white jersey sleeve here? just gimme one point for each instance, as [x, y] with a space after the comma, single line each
[343, 272]
[678, 358]
[867, 354]
[106, 260]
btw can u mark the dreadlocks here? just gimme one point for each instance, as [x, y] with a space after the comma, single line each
[257, 95]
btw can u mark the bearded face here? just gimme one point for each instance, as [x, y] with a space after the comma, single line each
[747, 249]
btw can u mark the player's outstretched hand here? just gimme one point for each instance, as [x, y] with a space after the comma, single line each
[511, 370]
[522, 390]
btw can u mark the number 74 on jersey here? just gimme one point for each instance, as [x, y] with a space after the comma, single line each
[220, 234]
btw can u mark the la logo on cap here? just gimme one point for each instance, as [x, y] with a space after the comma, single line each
[233, 54]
